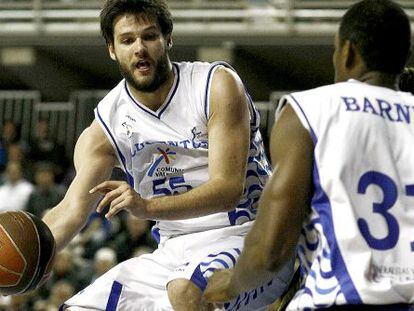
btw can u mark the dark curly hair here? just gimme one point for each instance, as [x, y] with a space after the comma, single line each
[380, 29]
[114, 8]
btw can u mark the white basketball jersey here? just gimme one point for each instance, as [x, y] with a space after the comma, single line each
[357, 246]
[166, 152]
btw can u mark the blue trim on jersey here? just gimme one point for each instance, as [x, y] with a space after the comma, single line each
[121, 156]
[220, 261]
[232, 258]
[114, 296]
[322, 205]
[173, 92]
[255, 112]
[312, 132]
[155, 233]
[210, 71]
[198, 279]
[166, 103]
[206, 101]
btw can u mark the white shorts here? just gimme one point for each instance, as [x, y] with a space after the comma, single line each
[141, 283]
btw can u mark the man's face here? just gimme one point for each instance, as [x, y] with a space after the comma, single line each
[338, 61]
[13, 172]
[44, 179]
[141, 51]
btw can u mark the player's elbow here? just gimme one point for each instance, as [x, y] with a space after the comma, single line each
[269, 262]
[274, 251]
[275, 258]
[232, 191]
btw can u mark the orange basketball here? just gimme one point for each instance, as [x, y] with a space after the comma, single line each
[27, 251]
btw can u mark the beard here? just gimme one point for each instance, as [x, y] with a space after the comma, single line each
[160, 76]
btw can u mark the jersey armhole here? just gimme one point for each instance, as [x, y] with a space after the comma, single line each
[119, 155]
[212, 70]
[294, 103]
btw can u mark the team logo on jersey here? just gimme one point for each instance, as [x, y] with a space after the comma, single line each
[199, 139]
[165, 155]
[128, 129]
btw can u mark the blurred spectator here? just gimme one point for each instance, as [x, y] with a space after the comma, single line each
[15, 192]
[44, 148]
[69, 268]
[97, 233]
[105, 259]
[10, 134]
[15, 303]
[16, 153]
[60, 292]
[136, 233]
[42, 305]
[47, 193]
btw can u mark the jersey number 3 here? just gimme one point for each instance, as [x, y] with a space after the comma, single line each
[390, 195]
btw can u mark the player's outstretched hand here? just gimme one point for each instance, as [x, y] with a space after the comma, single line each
[120, 196]
[219, 287]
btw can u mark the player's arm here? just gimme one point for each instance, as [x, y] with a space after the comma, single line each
[229, 135]
[94, 160]
[283, 205]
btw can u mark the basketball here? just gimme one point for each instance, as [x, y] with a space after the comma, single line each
[27, 251]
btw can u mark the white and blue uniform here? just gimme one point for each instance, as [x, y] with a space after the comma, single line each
[165, 152]
[357, 245]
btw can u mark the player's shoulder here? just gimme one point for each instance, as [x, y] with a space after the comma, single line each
[329, 92]
[326, 90]
[191, 67]
[113, 95]
[200, 68]
[92, 139]
[198, 75]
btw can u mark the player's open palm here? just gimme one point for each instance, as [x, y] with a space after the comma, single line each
[119, 195]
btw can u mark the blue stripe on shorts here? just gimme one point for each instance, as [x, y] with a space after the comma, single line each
[222, 260]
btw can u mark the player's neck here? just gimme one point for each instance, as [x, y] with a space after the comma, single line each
[380, 79]
[154, 100]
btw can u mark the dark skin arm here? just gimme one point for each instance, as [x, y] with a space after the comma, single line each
[284, 203]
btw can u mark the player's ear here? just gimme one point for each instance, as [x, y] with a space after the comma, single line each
[169, 42]
[349, 54]
[111, 51]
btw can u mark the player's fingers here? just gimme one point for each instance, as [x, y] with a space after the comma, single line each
[115, 209]
[108, 185]
[117, 201]
[108, 198]
[213, 294]
[215, 298]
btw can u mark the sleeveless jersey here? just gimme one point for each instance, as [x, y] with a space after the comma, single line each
[357, 245]
[166, 152]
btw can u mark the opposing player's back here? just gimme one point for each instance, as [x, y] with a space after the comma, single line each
[348, 149]
[350, 116]
[360, 232]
